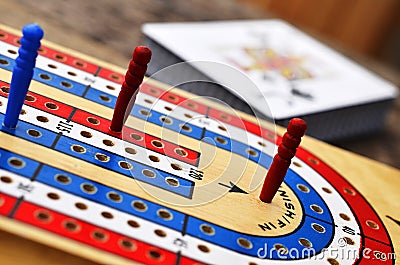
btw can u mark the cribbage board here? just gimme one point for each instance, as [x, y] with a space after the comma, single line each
[180, 185]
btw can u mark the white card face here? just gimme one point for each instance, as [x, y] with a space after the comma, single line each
[294, 73]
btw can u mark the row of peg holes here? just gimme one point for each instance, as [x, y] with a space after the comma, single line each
[30, 98]
[136, 137]
[187, 128]
[58, 57]
[124, 164]
[107, 142]
[128, 166]
[73, 227]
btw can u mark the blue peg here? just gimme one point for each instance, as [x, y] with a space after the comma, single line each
[22, 73]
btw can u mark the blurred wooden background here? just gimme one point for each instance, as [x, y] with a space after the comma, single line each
[365, 30]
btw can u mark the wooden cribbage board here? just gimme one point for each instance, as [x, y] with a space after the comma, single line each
[179, 186]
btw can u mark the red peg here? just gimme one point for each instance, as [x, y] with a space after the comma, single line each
[133, 79]
[281, 162]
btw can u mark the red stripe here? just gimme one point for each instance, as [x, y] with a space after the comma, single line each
[236, 121]
[85, 233]
[136, 137]
[371, 225]
[111, 76]
[6, 204]
[376, 253]
[53, 54]
[173, 98]
[43, 103]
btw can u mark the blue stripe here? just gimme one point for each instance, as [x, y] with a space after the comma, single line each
[30, 132]
[185, 187]
[48, 175]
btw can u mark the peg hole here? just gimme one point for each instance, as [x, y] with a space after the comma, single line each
[105, 98]
[176, 166]
[71, 226]
[344, 216]
[125, 165]
[148, 173]
[164, 214]
[145, 112]
[107, 215]
[316, 208]
[207, 229]
[181, 152]
[203, 248]
[51, 105]
[63, 179]
[221, 140]
[80, 64]
[349, 241]
[154, 158]
[81, 206]
[160, 233]
[318, 228]
[34, 133]
[66, 84]
[108, 142]
[93, 120]
[130, 150]
[327, 190]
[252, 152]
[349, 191]
[139, 206]
[115, 77]
[154, 254]
[115, 197]
[30, 98]
[59, 57]
[173, 182]
[43, 216]
[281, 249]
[53, 196]
[127, 245]
[133, 224]
[372, 224]
[166, 120]
[42, 119]
[86, 134]
[99, 236]
[16, 162]
[333, 261]
[302, 188]
[4, 62]
[88, 188]
[45, 76]
[157, 144]
[136, 137]
[78, 149]
[6, 179]
[305, 242]
[5, 89]
[244, 243]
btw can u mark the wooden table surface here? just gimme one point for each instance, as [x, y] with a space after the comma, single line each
[109, 29]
